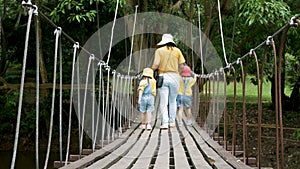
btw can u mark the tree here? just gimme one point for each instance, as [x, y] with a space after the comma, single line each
[270, 16]
[10, 15]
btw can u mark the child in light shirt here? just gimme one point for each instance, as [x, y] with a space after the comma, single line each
[146, 95]
[184, 98]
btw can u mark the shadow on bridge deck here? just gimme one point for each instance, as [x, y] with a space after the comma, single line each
[178, 147]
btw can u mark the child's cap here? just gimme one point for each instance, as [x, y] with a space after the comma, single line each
[186, 71]
[148, 72]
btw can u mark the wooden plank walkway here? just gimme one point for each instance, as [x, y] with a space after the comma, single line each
[178, 147]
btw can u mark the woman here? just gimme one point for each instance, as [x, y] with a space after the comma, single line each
[168, 60]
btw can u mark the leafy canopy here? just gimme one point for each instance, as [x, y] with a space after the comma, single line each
[265, 12]
[82, 10]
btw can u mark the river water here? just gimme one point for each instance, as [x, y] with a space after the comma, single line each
[26, 159]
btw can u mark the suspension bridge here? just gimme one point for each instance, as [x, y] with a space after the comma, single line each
[104, 102]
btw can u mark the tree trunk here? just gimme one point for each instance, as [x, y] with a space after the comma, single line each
[43, 70]
[294, 98]
[3, 60]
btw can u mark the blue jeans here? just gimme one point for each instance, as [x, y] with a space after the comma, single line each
[168, 94]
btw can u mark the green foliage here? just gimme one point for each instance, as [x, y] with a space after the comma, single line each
[265, 12]
[80, 11]
[7, 111]
[292, 68]
[292, 59]
[11, 9]
[296, 134]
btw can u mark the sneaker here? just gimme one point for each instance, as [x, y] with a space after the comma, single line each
[179, 124]
[189, 123]
[172, 125]
[164, 126]
[142, 126]
[149, 127]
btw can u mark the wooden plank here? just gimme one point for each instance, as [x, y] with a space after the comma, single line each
[180, 157]
[75, 157]
[195, 154]
[133, 152]
[86, 161]
[212, 156]
[116, 154]
[162, 160]
[227, 156]
[57, 164]
[144, 160]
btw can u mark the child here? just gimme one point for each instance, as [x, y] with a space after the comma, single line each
[184, 98]
[147, 92]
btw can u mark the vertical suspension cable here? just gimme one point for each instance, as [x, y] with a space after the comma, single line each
[141, 47]
[57, 33]
[225, 110]
[127, 101]
[84, 103]
[192, 46]
[280, 110]
[103, 105]
[221, 30]
[234, 112]
[259, 106]
[245, 154]
[113, 104]
[124, 98]
[98, 106]
[200, 40]
[120, 105]
[93, 107]
[75, 47]
[21, 90]
[60, 102]
[107, 102]
[112, 32]
[217, 104]
[132, 39]
[207, 99]
[78, 104]
[37, 109]
[260, 112]
[276, 101]
[130, 101]
[99, 100]
[214, 106]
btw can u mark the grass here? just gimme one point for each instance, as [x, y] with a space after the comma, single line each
[251, 90]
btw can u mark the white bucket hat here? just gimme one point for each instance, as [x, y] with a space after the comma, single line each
[166, 38]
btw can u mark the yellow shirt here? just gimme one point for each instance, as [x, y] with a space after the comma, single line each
[143, 84]
[188, 91]
[168, 59]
